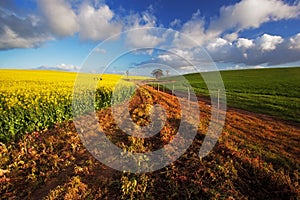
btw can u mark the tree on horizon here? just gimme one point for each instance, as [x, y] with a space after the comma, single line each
[157, 73]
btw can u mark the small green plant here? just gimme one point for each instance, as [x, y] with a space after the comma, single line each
[135, 186]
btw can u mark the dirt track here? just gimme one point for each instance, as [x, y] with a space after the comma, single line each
[256, 156]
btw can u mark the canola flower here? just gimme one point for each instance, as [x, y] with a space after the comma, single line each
[33, 100]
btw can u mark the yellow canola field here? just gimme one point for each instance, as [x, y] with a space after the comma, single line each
[34, 99]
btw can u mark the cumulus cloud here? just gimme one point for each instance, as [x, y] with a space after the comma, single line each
[60, 16]
[92, 23]
[251, 14]
[241, 16]
[96, 24]
[266, 49]
[67, 67]
[62, 66]
[55, 19]
[244, 43]
[182, 60]
[165, 57]
[194, 30]
[295, 42]
[268, 42]
[143, 36]
[175, 23]
[231, 36]
[21, 31]
[10, 39]
[217, 44]
[246, 14]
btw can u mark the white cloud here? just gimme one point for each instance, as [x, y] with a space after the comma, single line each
[17, 31]
[144, 36]
[60, 16]
[165, 57]
[175, 22]
[258, 67]
[182, 60]
[268, 42]
[99, 50]
[10, 39]
[97, 24]
[58, 19]
[237, 67]
[62, 66]
[264, 50]
[194, 30]
[188, 55]
[251, 14]
[187, 69]
[295, 42]
[92, 23]
[243, 15]
[244, 43]
[231, 37]
[217, 44]
[67, 67]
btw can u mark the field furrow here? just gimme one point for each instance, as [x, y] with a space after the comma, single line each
[255, 156]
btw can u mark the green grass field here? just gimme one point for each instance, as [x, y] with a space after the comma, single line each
[273, 91]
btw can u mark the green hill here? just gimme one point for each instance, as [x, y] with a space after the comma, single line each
[273, 91]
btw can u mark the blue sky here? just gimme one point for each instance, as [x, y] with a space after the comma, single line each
[60, 34]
